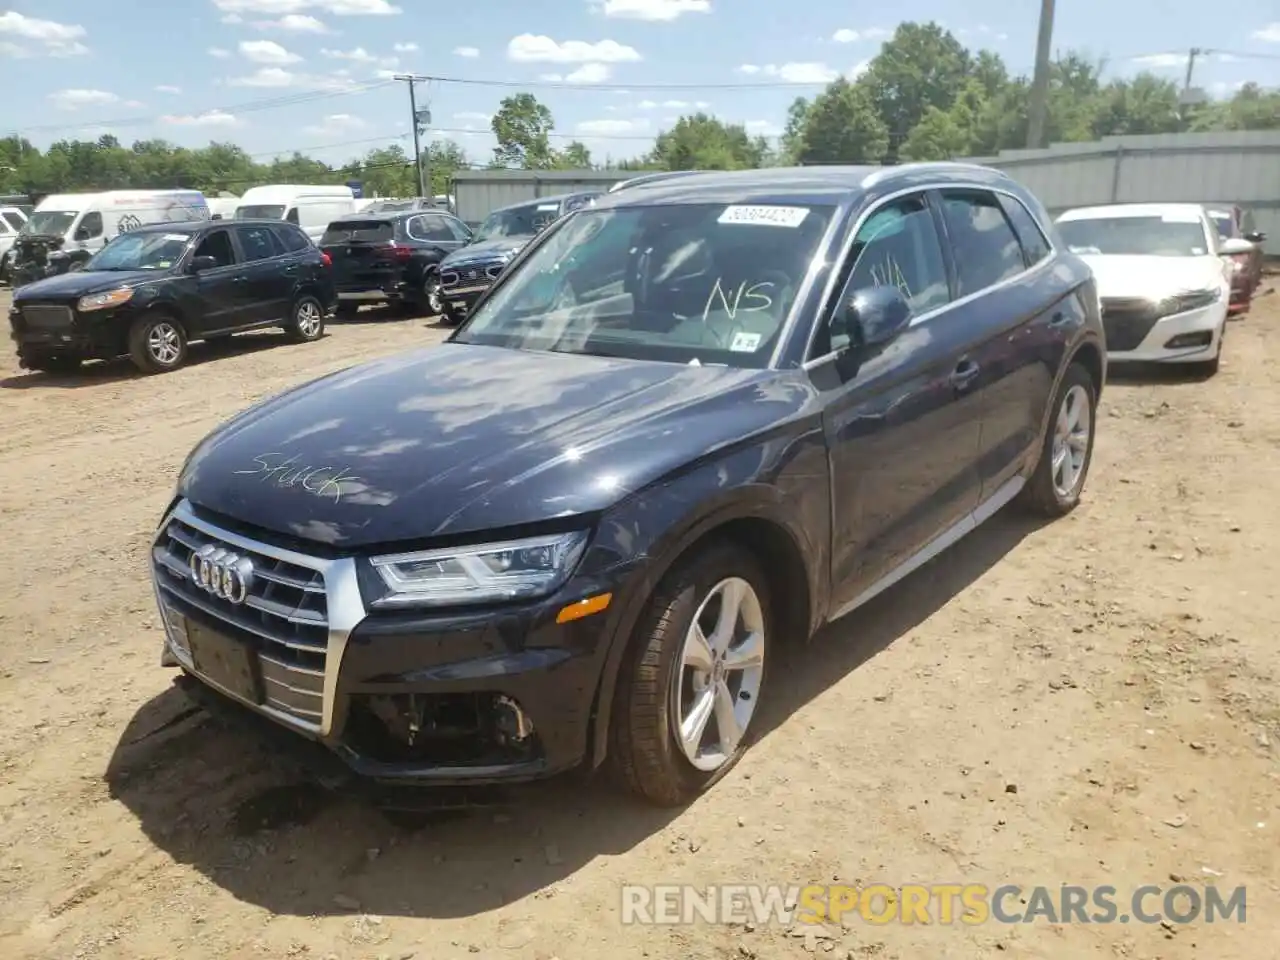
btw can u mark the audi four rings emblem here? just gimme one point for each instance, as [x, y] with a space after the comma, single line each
[222, 573]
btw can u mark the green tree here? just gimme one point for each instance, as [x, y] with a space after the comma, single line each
[701, 142]
[522, 127]
[445, 158]
[921, 66]
[575, 156]
[842, 126]
[792, 133]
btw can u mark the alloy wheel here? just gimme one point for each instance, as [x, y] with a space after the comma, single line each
[308, 318]
[164, 343]
[719, 675]
[1071, 441]
[435, 302]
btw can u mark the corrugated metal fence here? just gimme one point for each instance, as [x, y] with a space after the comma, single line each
[1241, 167]
[479, 192]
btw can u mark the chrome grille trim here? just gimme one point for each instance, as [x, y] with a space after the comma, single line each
[301, 644]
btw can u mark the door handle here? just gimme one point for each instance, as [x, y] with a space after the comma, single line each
[964, 374]
[242, 279]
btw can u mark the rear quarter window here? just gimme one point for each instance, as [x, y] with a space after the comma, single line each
[1035, 245]
[292, 239]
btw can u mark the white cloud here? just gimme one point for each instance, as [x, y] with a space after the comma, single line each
[587, 73]
[39, 37]
[674, 105]
[533, 48]
[611, 128]
[211, 118]
[277, 8]
[358, 55]
[219, 52]
[763, 128]
[466, 52]
[1222, 89]
[233, 19]
[75, 99]
[793, 72]
[858, 69]
[337, 123]
[654, 10]
[294, 23]
[472, 115]
[1268, 34]
[405, 48]
[267, 51]
[845, 35]
[268, 77]
[1162, 60]
[168, 88]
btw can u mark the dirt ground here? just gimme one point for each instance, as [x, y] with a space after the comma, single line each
[1090, 702]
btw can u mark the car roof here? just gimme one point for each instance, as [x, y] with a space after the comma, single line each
[1132, 210]
[823, 184]
[192, 226]
[537, 201]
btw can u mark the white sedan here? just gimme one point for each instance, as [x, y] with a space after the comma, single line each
[1163, 275]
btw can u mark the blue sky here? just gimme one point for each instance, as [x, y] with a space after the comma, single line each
[278, 75]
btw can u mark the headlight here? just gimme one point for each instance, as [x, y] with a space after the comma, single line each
[514, 570]
[101, 301]
[1191, 300]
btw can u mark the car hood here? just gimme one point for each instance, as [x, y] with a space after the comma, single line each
[1156, 277]
[485, 250]
[79, 283]
[460, 438]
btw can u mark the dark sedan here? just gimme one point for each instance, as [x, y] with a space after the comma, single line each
[391, 258]
[691, 424]
[1235, 223]
[150, 292]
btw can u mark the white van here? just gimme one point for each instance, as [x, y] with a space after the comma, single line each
[67, 228]
[223, 208]
[311, 208]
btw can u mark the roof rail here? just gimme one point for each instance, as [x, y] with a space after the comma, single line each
[650, 178]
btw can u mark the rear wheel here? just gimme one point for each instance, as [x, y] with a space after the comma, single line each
[430, 298]
[306, 320]
[693, 676]
[157, 343]
[1055, 486]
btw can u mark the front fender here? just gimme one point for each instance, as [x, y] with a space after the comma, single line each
[783, 483]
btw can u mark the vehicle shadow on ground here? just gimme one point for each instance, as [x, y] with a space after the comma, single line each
[254, 819]
[99, 372]
[1139, 374]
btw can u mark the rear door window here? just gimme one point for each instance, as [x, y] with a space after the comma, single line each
[358, 231]
[291, 238]
[258, 243]
[985, 248]
[217, 244]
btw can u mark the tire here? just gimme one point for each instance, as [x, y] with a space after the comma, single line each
[157, 343]
[449, 318]
[431, 300]
[1043, 494]
[656, 688]
[4, 268]
[306, 320]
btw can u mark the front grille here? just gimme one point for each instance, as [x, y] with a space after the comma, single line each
[1126, 322]
[284, 616]
[474, 275]
[47, 316]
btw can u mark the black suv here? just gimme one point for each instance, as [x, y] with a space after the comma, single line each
[690, 425]
[468, 273]
[150, 292]
[391, 257]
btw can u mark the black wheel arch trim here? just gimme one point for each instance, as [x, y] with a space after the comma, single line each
[748, 502]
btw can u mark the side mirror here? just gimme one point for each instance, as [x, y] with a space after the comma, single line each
[1234, 246]
[1256, 237]
[200, 264]
[874, 317]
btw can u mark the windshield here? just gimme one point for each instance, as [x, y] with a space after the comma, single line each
[1135, 236]
[518, 222]
[140, 251]
[49, 223]
[683, 283]
[359, 231]
[261, 211]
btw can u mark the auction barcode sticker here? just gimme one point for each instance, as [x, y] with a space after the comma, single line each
[765, 216]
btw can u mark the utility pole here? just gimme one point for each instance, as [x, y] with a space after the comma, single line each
[420, 120]
[1185, 100]
[1038, 101]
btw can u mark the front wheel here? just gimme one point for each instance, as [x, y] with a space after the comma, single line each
[157, 344]
[1055, 486]
[692, 678]
[306, 321]
[430, 297]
